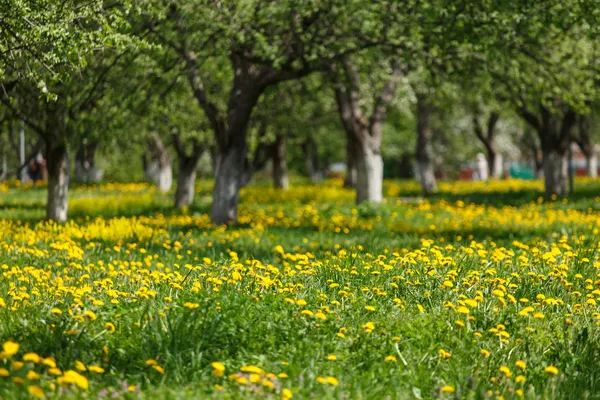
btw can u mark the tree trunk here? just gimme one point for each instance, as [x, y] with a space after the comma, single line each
[539, 169]
[4, 165]
[164, 177]
[369, 172]
[591, 165]
[85, 164]
[214, 160]
[159, 168]
[488, 139]
[311, 163]
[280, 169]
[491, 160]
[426, 176]
[350, 178]
[497, 166]
[80, 170]
[58, 182]
[424, 166]
[228, 182]
[186, 180]
[555, 172]
[494, 160]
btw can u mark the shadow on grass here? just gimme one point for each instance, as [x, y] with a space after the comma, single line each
[582, 193]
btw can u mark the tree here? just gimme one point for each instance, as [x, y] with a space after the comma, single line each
[364, 133]
[541, 62]
[488, 139]
[254, 45]
[41, 45]
[554, 130]
[61, 121]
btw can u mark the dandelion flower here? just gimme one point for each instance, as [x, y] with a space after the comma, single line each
[10, 348]
[552, 370]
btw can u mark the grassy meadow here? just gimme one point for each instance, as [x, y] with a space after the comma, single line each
[485, 290]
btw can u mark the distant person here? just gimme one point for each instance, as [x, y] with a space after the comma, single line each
[35, 169]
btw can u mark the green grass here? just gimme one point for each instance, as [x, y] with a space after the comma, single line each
[177, 294]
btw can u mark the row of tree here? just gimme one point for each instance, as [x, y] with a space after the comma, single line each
[241, 77]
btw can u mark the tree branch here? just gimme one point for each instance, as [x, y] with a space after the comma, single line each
[385, 98]
[22, 117]
[529, 117]
[492, 121]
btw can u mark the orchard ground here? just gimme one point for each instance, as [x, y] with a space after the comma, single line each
[483, 290]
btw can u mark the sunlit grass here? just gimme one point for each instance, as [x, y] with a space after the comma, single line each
[308, 296]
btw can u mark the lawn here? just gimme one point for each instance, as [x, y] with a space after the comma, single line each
[484, 290]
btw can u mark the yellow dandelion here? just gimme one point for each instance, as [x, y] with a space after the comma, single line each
[218, 368]
[552, 370]
[159, 369]
[506, 371]
[286, 394]
[36, 391]
[10, 348]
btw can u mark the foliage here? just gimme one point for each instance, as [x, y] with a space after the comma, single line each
[43, 42]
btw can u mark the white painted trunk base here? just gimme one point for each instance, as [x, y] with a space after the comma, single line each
[281, 179]
[426, 177]
[481, 168]
[58, 190]
[280, 170]
[162, 176]
[87, 175]
[498, 167]
[186, 186]
[592, 166]
[369, 176]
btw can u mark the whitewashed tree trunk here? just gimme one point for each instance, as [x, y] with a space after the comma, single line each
[164, 177]
[426, 176]
[228, 182]
[160, 167]
[592, 165]
[555, 172]
[497, 166]
[369, 174]
[481, 168]
[186, 177]
[58, 183]
[186, 182]
[280, 170]
[85, 165]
